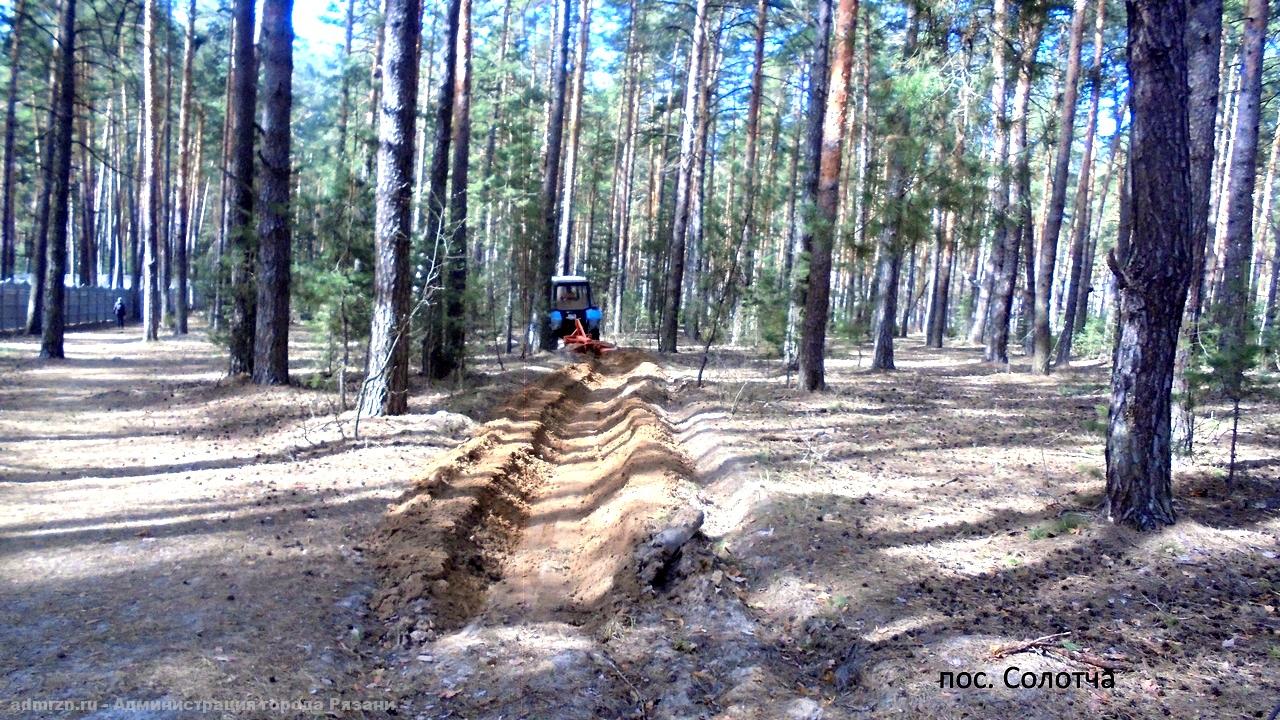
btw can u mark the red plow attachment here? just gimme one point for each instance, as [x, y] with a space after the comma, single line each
[580, 341]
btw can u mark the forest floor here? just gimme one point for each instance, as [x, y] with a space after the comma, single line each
[169, 535]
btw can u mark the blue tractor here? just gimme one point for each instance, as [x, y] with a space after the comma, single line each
[572, 307]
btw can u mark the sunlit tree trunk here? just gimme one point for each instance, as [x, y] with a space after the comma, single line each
[1264, 214]
[151, 198]
[1233, 312]
[684, 185]
[186, 176]
[386, 387]
[1153, 272]
[1048, 251]
[1000, 184]
[818, 299]
[1084, 193]
[1204, 63]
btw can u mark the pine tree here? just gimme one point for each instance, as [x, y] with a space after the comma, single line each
[385, 390]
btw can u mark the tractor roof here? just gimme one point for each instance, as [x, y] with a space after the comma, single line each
[562, 279]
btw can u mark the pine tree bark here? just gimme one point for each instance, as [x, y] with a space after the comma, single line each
[746, 237]
[1263, 214]
[151, 199]
[186, 176]
[37, 247]
[835, 116]
[386, 387]
[684, 185]
[1205, 59]
[575, 131]
[888, 252]
[244, 95]
[1084, 193]
[1031, 28]
[1000, 184]
[800, 239]
[623, 176]
[546, 252]
[936, 325]
[275, 237]
[437, 198]
[1232, 309]
[60, 139]
[1153, 272]
[454, 359]
[8, 225]
[86, 255]
[1048, 251]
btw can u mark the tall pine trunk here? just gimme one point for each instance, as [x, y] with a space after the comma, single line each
[1031, 27]
[1048, 251]
[888, 250]
[1153, 271]
[835, 116]
[1233, 310]
[685, 177]
[240, 240]
[186, 174]
[271, 335]
[437, 200]
[1204, 56]
[1084, 192]
[575, 132]
[800, 240]
[151, 198]
[545, 254]
[1000, 184]
[8, 227]
[386, 386]
[60, 139]
[455, 335]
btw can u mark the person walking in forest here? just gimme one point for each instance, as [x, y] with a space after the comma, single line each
[119, 310]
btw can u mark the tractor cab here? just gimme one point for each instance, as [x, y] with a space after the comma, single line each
[572, 304]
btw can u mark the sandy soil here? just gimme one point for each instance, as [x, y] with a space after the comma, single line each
[909, 523]
[167, 534]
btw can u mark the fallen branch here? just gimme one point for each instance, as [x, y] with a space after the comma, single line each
[1026, 645]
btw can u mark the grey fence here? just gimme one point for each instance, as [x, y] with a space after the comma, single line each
[83, 305]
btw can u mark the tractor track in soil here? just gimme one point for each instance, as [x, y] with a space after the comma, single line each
[537, 516]
[510, 582]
